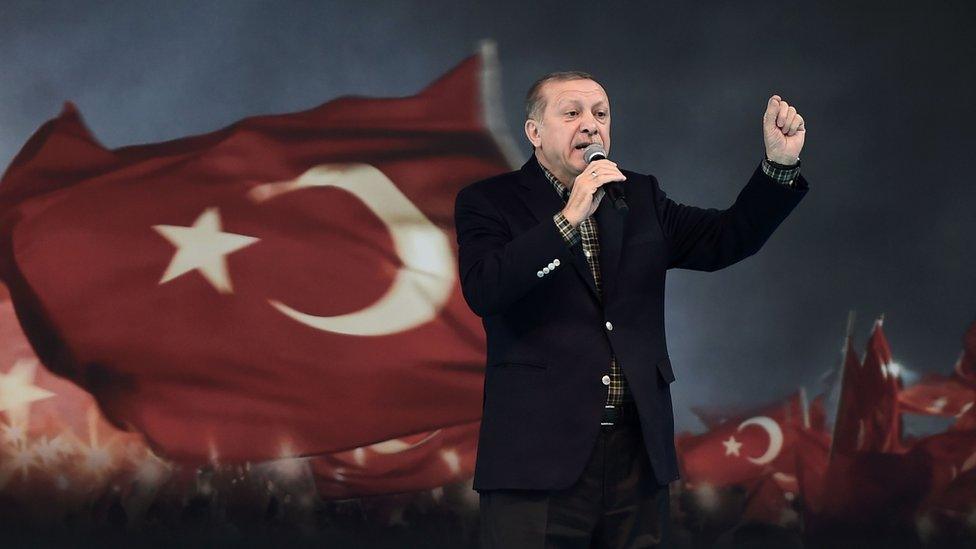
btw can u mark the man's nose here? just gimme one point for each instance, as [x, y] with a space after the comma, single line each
[588, 124]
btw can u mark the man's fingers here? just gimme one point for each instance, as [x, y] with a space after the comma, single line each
[605, 173]
[784, 109]
[790, 116]
[605, 163]
[794, 125]
[772, 108]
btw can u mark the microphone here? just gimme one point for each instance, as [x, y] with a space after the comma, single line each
[615, 189]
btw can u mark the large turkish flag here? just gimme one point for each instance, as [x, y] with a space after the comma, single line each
[285, 285]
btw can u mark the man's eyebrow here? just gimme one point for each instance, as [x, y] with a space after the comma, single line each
[577, 103]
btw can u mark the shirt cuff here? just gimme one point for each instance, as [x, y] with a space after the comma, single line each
[783, 174]
[569, 232]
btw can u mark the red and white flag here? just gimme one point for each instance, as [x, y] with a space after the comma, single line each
[937, 395]
[745, 448]
[285, 286]
[868, 416]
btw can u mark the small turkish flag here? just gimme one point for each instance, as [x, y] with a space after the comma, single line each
[745, 448]
[937, 395]
[287, 282]
[868, 418]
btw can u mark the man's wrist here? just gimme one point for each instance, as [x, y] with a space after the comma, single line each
[569, 233]
[784, 163]
[781, 173]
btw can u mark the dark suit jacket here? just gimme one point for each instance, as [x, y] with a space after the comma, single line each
[550, 337]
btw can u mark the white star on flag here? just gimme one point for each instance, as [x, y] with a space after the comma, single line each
[45, 451]
[17, 391]
[937, 405]
[732, 446]
[203, 247]
[14, 434]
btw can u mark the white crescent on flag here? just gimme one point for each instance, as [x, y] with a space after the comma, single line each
[775, 438]
[422, 285]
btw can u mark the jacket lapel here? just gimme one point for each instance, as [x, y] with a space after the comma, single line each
[610, 224]
[543, 202]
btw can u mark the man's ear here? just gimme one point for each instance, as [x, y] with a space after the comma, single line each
[532, 132]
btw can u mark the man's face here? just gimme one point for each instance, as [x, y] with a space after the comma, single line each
[577, 113]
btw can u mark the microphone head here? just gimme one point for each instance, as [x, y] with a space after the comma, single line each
[594, 151]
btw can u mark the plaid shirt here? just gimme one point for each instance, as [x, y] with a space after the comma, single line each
[589, 234]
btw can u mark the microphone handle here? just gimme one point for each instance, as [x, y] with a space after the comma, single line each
[614, 189]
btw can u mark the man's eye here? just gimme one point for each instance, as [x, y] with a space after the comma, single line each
[601, 114]
[571, 113]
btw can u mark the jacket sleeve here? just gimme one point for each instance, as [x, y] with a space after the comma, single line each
[709, 239]
[496, 269]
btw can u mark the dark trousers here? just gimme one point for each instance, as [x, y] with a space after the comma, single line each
[616, 502]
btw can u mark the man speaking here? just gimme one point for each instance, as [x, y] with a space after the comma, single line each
[577, 435]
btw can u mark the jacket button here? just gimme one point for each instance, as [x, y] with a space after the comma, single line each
[545, 270]
[609, 326]
[606, 380]
[539, 274]
[555, 262]
[552, 266]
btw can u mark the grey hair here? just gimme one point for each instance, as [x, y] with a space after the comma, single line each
[535, 102]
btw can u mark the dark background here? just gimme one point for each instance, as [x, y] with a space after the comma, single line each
[887, 227]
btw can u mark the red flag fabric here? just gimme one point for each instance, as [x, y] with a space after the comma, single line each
[772, 500]
[950, 513]
[951, 454]
[406, 464]
[818, 414]
[937, 395]
[847, 424]
[871, 489]
[288, 281]
[868, 418]
[886, 423]
[966, 420]
[745, 448]
[966, 365]
[812, 454]
[54, 444]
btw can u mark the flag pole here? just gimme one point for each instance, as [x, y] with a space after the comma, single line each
[493, 115]
[805, 407]
[848, 337]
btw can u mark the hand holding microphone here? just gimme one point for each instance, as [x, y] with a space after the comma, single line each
[615, 190]
[590, 186]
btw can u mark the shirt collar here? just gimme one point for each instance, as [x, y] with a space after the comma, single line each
[560, 188]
